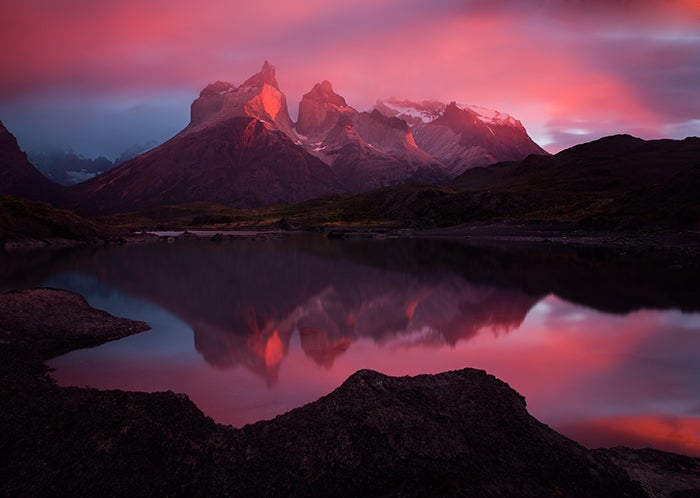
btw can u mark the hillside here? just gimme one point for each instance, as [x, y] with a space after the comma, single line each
[615, 183]
[26, 223]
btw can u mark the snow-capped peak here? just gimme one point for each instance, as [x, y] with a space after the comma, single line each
[430, 110]
[490, 116]
[426, 111]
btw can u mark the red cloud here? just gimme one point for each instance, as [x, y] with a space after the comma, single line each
[568, 71]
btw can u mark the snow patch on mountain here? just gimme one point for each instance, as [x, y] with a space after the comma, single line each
[425, 113]
[428, 111]
[490, 116]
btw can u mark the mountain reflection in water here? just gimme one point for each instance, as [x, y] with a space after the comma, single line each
[304, 313]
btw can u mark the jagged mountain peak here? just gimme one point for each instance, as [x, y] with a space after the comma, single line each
[217, 88]
[325, 85]
[257, 97]
[320, 109]
[392, 122]
[323, 92]
[266, 76]
[484, 114]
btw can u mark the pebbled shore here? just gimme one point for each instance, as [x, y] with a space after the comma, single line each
[462, 433]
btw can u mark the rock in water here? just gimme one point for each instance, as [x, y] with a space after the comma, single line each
[54, 321]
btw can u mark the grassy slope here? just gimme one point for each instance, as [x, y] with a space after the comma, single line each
[22, 220]
[615, 183]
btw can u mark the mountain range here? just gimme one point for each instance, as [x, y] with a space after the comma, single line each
[242, 149]
[66, 167]
[402, 163]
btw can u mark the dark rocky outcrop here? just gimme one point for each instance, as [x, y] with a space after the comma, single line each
[615, 184]
[660, 473]
[53, 322]
[461, 433]
[83, 442]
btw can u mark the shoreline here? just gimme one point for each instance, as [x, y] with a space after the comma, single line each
[162, 444]
[653, 239]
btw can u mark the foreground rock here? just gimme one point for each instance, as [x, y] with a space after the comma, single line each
[458, 433]
[462, 433]
[660, 473]
[83, 442]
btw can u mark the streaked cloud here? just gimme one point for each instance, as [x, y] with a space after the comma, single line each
[601, 67]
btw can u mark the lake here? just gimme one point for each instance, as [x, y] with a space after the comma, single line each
[603, 344]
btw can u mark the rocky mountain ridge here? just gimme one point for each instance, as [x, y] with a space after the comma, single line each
[242, 149]
[462, 136]
[258, 97]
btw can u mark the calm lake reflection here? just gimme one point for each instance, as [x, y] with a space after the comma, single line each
[604, 346]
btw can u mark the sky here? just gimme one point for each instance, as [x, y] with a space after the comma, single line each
[102, 76]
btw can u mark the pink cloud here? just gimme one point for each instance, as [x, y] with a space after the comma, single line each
[569, 71]
[676, 434]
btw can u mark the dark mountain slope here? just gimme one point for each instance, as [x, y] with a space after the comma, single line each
[614, 183]
[17, 175]
[239, 162]
[238, 149]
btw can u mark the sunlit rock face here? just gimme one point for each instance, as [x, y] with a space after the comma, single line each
[431, 140]
[259, 97]
[239, 150]
[320, 110]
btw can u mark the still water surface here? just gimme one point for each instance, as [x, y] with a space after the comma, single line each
[604, 346]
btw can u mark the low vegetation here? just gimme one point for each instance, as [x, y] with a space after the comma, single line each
[616, 183]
